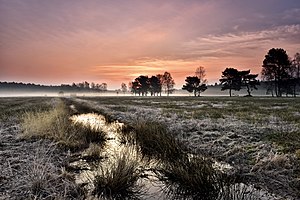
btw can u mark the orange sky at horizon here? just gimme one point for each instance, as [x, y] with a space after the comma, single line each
[55, 42]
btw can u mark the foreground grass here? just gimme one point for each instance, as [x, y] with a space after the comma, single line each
[119, 179]
[44, 180]
[191, 177]
[55, 124]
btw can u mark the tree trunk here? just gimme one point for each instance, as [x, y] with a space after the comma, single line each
[230, 92]
[276, 87]
[248, 90]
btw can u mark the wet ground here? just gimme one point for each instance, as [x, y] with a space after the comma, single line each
[234, 144]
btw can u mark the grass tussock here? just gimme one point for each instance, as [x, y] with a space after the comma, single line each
[55, 124]
[190, 177]
[119, 180]
[194, 177]
[43, 179]
[156, 142]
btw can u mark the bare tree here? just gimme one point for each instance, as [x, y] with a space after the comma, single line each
[168, 83]
[201, 73]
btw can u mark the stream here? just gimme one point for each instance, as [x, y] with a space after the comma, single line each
[116, 146]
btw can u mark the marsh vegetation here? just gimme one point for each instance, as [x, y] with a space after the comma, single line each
[150, 148]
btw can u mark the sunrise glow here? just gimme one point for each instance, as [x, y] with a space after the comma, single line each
[54, 42]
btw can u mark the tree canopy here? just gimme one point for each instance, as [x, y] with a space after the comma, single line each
[276, 66]
[193, 85]
[230, 80]
[143, 84]
[233, 79]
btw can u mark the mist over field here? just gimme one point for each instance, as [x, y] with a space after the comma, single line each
[149, 100]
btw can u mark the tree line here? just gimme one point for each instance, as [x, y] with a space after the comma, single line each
[280, 73]
[74, 87]
[154, 85]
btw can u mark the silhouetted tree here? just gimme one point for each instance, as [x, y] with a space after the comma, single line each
[295, 74]
[135, 87]
[168, 83]
[140, 85]
[93, 85]
[231, 80]
[296, 64]
[275, 69]
[103, 86]
[80, 85]
[86, 85]
[160, 78]
[123, 88]
[249, 81]
[193, 85]
[155, 85]
[144, 84]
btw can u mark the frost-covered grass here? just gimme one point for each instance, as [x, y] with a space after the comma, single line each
[14, 107]
[258, 137]
[258, 112]
[240, 131]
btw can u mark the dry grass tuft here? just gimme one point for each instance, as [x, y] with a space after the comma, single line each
[119, 180]
[55, 124]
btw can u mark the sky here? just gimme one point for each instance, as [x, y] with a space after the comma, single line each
[55, 42]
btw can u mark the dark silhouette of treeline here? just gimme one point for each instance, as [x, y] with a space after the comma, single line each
[154, 84]
[280, 73]
[30, 87]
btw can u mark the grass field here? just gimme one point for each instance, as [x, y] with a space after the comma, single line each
[257, 137]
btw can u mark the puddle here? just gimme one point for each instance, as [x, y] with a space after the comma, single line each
[115, 149]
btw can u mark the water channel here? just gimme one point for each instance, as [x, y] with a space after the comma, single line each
[115, 148]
